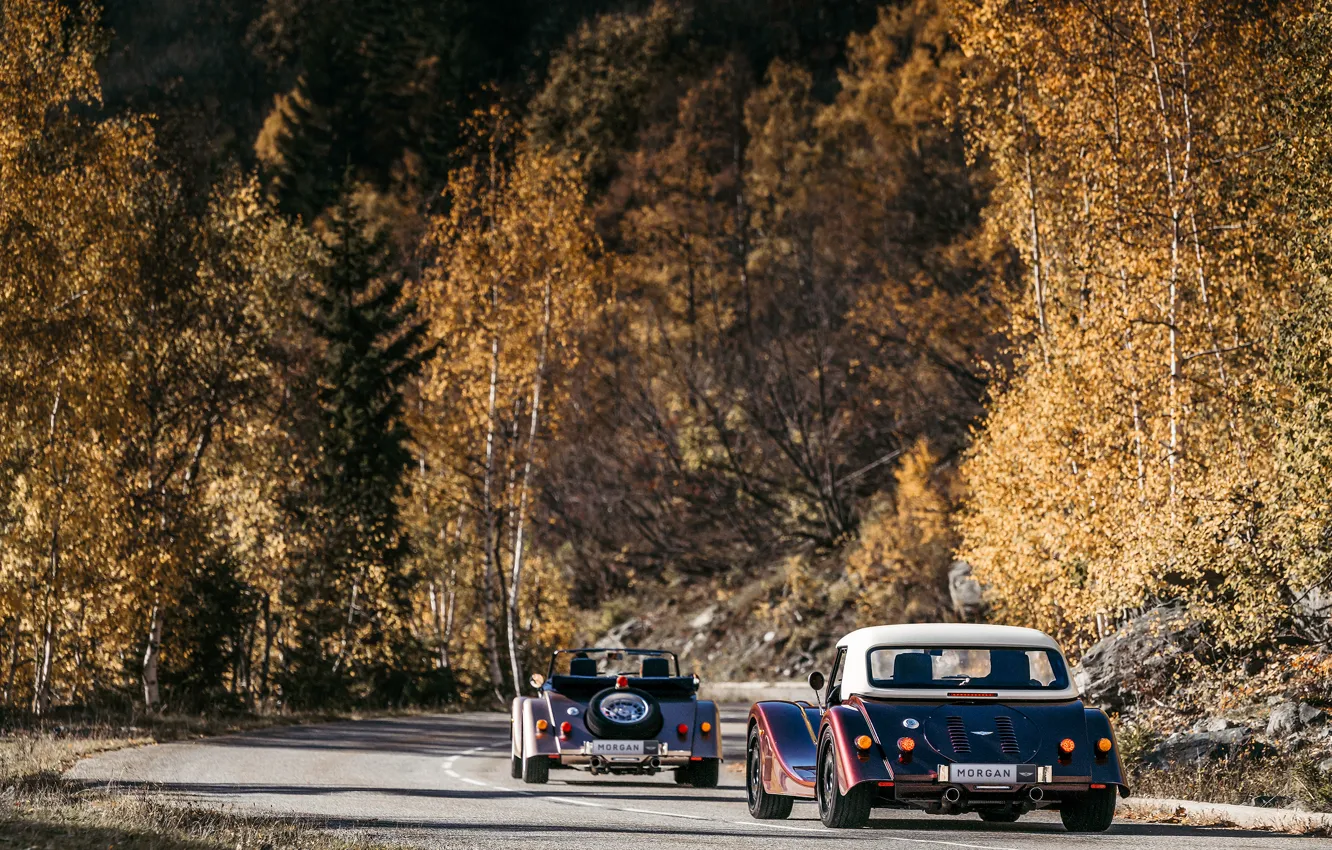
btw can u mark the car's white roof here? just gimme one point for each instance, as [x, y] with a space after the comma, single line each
[855, 678]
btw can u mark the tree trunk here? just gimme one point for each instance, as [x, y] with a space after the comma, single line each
[488, 531]
[152, 696]
[534, 424]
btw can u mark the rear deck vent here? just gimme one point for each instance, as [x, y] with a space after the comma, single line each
[1008, 741]
[957, 735]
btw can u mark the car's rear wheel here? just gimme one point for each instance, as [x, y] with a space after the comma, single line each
[838, 810]
[762, 805]
[1091, 812]
[699, 774]
[536, 770]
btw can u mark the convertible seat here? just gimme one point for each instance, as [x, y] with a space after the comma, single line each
[1008, 668]
[583, 667]
[656, 668]
[913, 668]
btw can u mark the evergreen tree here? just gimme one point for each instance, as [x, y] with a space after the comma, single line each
[353, 589]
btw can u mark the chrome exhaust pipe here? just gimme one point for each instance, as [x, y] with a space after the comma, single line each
[951, 794]
[654, 762]
[1036, 794]
[596, 763]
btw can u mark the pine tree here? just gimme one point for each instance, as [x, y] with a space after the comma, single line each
[353, 589]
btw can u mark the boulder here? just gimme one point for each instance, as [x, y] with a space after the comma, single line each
[625, 635]
[1139, 658]
[1195, 747]
[967, 594]
[1288, 718]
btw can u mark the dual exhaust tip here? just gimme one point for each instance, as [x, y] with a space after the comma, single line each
[598, 762]
[952, 794]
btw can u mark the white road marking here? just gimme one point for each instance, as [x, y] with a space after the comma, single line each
[747, 824]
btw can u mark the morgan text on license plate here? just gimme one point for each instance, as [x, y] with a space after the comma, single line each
[617, 748]
[1010, 773]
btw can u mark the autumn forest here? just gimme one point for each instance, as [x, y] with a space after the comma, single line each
[353, 351]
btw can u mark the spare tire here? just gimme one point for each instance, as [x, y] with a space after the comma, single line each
[623, 713]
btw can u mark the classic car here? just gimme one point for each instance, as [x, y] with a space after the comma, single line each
[616, 711]
[945, 718]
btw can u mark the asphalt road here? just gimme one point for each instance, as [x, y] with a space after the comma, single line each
[443, 782]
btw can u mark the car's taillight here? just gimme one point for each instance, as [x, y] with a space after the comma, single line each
[565, 728]
[682, 729]
[622, 682]
[1103, 746]
[706, 727]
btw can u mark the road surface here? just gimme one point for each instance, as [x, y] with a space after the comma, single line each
[443, 782]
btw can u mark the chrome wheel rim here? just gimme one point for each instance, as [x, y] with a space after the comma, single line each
[624, 708]
[827, 785]
[752, 787]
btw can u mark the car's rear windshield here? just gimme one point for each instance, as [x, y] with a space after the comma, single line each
[967, 667]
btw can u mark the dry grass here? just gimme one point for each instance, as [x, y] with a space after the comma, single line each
[39, 809]
[1239, 781]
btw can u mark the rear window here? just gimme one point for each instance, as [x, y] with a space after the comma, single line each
[967, 667]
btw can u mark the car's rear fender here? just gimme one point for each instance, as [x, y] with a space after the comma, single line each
[707, 745]
[1108, 770]
[788, 746]
[846, 723]
[536, 742]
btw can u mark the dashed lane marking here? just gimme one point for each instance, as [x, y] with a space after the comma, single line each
[934, 842]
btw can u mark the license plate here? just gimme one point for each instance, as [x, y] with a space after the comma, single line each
[1011, 774]
[616, 748]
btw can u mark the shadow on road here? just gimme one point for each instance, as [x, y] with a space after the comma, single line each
[423, 736]
[223, 789]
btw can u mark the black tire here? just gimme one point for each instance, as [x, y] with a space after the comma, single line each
[1091, 812]
[516, 767]
[1000, 817]
[536, 770]
[699, 774]
[762, 805]
[600, 725]
[838, 810]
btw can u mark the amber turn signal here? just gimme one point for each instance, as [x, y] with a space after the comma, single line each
[706, 727]
[864, 742]
[906, 745]
[1066, 746]
[542, 726]
[1103, 746]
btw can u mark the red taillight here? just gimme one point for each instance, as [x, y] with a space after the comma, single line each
[906, 745]
[682, 729]
[565, 728]
[622, 682]
[1066, 746]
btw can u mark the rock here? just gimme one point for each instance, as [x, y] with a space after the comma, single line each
[967, 594]
[704, 619]
[1214, 724]
[769, 637]
[1139, 658]
[1325, 767]
[1287, 718]
[1195, 747]
[625, 635]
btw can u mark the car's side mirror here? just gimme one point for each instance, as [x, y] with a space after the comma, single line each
[816, 681]
[537, 680]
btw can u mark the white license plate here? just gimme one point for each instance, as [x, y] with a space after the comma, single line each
[983, 773]
[616, 748]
